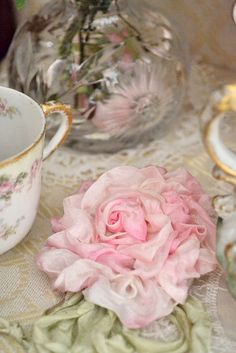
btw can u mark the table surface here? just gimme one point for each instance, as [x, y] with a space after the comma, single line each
[25, 292]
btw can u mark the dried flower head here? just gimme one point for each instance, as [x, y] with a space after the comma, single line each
[140, 99]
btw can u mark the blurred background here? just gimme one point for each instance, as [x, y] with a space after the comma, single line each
[7, 25]
[207, 26]
[11, 18]
[202, 36]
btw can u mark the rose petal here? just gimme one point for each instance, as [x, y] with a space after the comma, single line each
[148, 251]
[136, 303]
[206, 261]
[78, 227]
[121, 177]
[53, 261]
[81, 274]
[179, 269]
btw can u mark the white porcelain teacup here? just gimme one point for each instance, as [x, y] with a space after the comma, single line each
[22, 133]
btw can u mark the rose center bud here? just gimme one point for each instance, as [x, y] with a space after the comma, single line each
[126, 216]
[142, 103]
[114, 218]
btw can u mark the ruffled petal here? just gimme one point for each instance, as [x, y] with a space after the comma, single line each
[179, 269]
[136, 303]
[81, 274]
[53, 261]
[111, 182]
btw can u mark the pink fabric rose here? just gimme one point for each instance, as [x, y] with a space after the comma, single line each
[133, 241]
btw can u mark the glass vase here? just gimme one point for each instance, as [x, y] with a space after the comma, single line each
[119, 64]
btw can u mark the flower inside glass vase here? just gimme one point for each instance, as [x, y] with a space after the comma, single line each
[123, 74]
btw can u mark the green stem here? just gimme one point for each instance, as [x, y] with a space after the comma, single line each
[86, 12]
[20, 4]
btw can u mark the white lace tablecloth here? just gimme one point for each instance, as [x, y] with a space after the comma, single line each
[25, 291]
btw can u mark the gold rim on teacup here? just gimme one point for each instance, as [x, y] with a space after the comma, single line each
[48, 108]
[222, 101]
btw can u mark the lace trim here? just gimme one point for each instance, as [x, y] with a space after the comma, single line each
[206, 289]
[162, 330]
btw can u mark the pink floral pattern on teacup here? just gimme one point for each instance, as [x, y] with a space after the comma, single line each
[6, 187]
[9, 185]
[7, 231]
[34, 171]
[6, 109]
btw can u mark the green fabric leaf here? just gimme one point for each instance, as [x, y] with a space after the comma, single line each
[76, 326]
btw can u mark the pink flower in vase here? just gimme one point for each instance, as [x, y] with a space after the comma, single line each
[132, 242]
[139, 99]
[128, 57]
[117, 38]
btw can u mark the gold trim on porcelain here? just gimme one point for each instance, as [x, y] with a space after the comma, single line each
[220, 175]
[47, 109]
[211, 150]
[51, 107]
[226, 104]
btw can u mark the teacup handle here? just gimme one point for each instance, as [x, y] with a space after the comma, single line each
[64, 128]
[222, 102]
